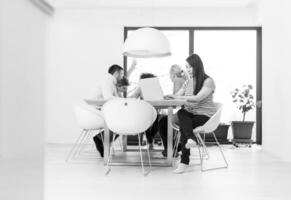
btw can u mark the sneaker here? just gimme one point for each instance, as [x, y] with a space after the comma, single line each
[99, 145]
[190, 144]
[164, 152]
[181, 168]
[151, 146]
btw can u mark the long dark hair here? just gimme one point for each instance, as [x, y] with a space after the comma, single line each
[198, 70]
[147, 75]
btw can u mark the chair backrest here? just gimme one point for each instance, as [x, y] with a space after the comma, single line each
[128, 116]
[88, 118]
[155, 114]
[214, 121]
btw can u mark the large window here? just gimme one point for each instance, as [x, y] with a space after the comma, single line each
[179, 42]
[232, 56]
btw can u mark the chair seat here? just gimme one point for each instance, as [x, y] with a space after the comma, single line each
[198, 129]
[175, 126]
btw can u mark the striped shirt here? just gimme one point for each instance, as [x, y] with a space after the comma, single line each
[205, 106]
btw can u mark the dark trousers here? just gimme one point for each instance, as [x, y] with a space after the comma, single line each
[110, 138]
[152, 131]
[163, 130]
[150, 134]
[188, 122]
[98, 139]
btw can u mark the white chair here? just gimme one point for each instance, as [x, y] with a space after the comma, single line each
[90, 120]
[129, 117]
[177, 137]
[208, 128]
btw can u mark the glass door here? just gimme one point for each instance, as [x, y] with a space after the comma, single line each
[230, 57]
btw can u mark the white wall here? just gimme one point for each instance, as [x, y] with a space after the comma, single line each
[22, 64]
[275, 17]
[83, 43]
[23, 37]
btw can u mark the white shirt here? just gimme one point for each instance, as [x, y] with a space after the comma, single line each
[105, 89]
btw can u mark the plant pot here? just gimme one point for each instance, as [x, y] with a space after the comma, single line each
[221, 134]
[242, 130]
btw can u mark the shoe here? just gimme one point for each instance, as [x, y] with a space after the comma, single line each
[190, 144]
[151, 146]
[165, 154]
[181, 168]
[99, 145]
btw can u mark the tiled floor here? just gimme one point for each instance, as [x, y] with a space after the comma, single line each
[252, 174]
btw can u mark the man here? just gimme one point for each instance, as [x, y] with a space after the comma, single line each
[106, 90]
[111, 86]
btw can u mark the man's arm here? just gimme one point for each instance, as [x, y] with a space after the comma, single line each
[109, 90]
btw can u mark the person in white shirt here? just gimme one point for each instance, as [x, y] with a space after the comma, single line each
[112, 85]
[106, 88]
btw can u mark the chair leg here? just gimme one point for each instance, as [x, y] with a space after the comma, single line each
[80, 144]
[140, 152]
[119, 143]
[81, 136]
[221, 151]
[176, 137]
[86, 140]
[205, 150]
[149, 156]
[202, 145]
[109, 158]
[177, 141]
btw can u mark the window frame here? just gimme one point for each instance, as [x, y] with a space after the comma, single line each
[192, 29]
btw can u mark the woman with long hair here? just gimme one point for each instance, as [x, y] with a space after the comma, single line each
[178, 77]
[198, 92]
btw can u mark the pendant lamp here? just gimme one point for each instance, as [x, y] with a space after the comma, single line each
[146, 43]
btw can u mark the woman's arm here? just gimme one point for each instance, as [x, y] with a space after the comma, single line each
[202, 94]
[181, 91]
[136, 93]
[178, 84]
[206, 90]
[132, 68]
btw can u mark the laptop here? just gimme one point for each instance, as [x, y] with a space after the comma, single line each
[151, 89]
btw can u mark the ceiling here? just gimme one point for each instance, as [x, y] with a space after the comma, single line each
[151, 3]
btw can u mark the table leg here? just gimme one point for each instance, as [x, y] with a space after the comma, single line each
[170, 137]
[106, 144]
[124, 143]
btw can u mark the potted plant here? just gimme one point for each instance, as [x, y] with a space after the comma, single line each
[243, 98]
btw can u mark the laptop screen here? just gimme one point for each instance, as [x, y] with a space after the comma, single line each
[151, 89]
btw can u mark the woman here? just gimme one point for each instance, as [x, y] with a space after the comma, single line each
[178, 77]
[198, 92]
[121, 86]
[137, 91]
[152, 131]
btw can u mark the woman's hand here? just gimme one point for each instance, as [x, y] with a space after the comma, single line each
[169, 96]
[132, 68]
[133, 65]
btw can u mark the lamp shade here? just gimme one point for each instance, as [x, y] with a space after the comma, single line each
[146, 43]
